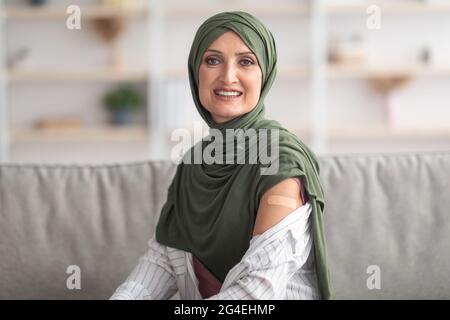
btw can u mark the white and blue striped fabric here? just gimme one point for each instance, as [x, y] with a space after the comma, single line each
[279, 265]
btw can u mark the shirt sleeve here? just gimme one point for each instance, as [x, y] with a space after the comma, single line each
[269, 263]
[152, 279]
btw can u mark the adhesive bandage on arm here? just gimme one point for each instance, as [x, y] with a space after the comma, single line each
[282, 201]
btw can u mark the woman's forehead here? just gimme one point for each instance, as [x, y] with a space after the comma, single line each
[229, 40]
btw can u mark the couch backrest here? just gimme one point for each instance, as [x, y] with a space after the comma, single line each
[385, 214]
[388, 213]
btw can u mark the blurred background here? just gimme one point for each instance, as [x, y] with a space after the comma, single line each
[94, 81]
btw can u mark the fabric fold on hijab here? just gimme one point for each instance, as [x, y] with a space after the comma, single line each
[211, 208]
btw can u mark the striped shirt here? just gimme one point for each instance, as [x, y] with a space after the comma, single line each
[279, 264]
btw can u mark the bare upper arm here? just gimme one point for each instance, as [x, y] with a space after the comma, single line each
[279, 201]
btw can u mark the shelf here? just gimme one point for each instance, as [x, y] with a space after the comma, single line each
[364, 71]
[20, 76]
[59, 12]
[385, 132]
[280, 10]
[349, 133]
[140, 134]
[80, 135]
[391, 8]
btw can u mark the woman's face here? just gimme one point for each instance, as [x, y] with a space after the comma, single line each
[229, 78]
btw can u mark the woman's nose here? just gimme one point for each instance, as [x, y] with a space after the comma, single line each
[229, 73]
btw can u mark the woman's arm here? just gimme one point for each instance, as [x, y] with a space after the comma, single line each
[152, 279]
[276, 203]
[265, 272]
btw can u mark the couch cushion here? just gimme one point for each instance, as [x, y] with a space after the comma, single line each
[98, 218]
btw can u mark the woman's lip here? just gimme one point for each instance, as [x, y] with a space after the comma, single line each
[227, 89]
[227, 98]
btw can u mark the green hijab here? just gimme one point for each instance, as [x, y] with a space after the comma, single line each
[211, 208]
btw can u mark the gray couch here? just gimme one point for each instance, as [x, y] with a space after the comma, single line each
[387, 223]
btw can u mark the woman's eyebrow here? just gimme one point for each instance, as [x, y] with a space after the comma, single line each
[238, 54]
[242, 53]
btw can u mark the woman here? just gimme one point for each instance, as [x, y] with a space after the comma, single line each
[227, 231]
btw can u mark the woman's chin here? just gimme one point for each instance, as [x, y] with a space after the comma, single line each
[224, 117]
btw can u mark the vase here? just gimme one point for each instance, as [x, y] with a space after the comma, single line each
[37, 2]
[120, 117]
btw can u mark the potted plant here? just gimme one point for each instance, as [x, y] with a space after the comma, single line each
[121, 103]
[37, 2]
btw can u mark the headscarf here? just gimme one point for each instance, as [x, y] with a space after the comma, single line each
[211, 208]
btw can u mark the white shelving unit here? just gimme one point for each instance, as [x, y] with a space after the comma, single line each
[386, 133]
[158, 74]
[10, 135]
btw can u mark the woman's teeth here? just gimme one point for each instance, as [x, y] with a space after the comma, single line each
[228, 93]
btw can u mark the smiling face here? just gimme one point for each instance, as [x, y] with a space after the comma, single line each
[230, 78]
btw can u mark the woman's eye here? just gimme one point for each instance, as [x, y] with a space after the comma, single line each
[211, 61]
[246, 62]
